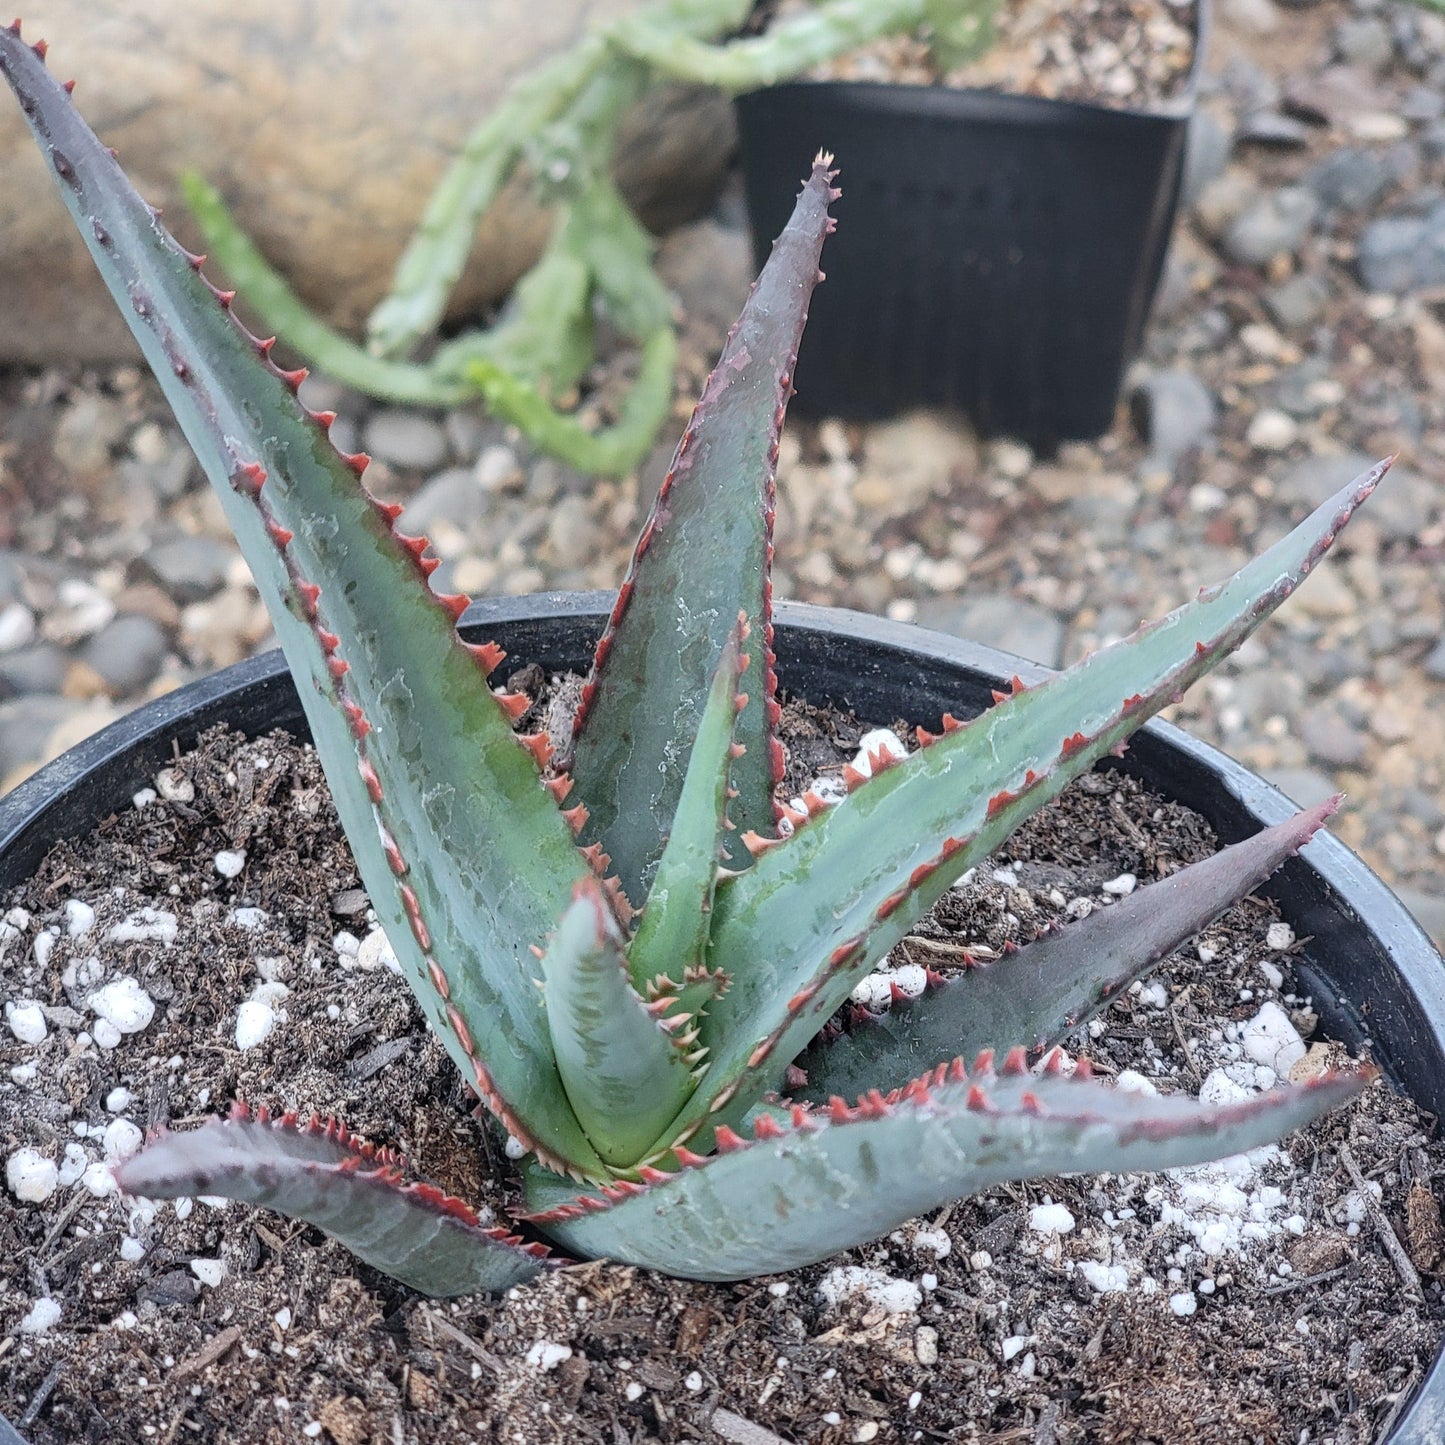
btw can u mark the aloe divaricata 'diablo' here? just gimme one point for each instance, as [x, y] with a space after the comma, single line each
[624, 948]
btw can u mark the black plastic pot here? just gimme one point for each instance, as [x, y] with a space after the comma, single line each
[995, 253]
[1370, 968]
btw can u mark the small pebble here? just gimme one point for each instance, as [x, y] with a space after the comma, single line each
[27, 1021]
[31, 1177]
[230, 862]
[43, 1315]
[209, 1271]
[124, 1005]
[1050, 1219]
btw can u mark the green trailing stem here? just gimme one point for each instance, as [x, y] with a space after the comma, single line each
[623, 949]
[560, 123]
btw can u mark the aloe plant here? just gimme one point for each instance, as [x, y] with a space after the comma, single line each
[633, 950]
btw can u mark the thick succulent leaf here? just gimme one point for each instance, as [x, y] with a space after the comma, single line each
[319, 1173]
[671, 936]
[796, 931]
[466, 858]
[625, 1068]
[703, 557]
[841, 1176]
[1036, 997]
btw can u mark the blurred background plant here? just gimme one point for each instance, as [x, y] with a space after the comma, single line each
[559, 124]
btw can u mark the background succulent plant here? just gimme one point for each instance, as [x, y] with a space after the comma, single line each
[624, 947]
[560, 124]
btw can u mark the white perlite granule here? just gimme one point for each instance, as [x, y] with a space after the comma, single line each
[230, 861]
[1050, 1218]
[258, 1015]
[146, 925]
[79, 918]
[376, 952]
[27, 1021]
[547, 1355]
[30, 1176]
[43, 1315]
[124, 1005]
[880, 739]
[851, 1281]
[209, 1271]
[1269, 1038]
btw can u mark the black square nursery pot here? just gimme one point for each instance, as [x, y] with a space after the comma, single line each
[995, 254]
[1372, 971]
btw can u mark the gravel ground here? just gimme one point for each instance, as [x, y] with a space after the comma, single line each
[1300, 331]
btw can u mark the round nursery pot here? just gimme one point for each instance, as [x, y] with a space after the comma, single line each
[997, 254]
[1369, 967]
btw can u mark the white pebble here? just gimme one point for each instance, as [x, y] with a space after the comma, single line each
[119, 1098]
[692, 1382]
[121, 1141]
[79, 918]
[1013, 1345]
[980, 1260]
[27, 1021]
[254, 1021]
[347, 945]
[230, 861]
[871, 742]
[514, 1148]
[44, 945]
[132, 1250]
[1122, 886]
[635, 1391]
[175, 788]
[1269, 1038]
[1105, 1278]
[105, 1035]
[41, 1316]
[934, 1241]
[1279, 937]
[17, 626]
[1050, 1219]
[1184, 1303]
[849, 1281]
[143, 799]
[98, 1180]
[72, 1166]
[1131, 1081]
[1272, 431]
[376, 952]
[146, 925]
[1155, 995]
[874, 992]
[547, 1355]
[209, 1271]
[31, 1176]
[911, 978]
[248, 917]
[123, 1004]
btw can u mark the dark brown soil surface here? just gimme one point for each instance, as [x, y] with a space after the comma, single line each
[283, 1336]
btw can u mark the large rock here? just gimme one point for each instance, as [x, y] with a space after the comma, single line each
[325, 125]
